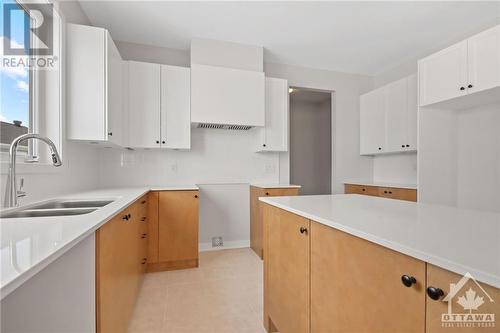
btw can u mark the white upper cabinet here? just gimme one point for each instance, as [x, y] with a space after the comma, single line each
[388, 118]
[94, 86]
[274, 135]
[158, 106]
[463, 69]
[372, 123]
[143, 93]
[484, 60]
[175, 107]
[443, 75]
[221, 95]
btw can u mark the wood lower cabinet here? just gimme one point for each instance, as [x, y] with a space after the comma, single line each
[286, 300]
[435, 309]
[174, 229]
[356, 286]
[384, 192]
[121, 254]
[256, 227]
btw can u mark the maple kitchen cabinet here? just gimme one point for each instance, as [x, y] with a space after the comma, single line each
[174, 230]
[121, 257]
[468, 67]
[94, 86]
[286, 272]
[274, 134]
[384, 191]
[256, 226]
[440, 279]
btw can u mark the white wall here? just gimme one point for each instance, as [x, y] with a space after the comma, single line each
[395, 168]
[459, 157]
[347, 164]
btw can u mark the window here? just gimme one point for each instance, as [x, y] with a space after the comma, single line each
[16, 116]
[31, 77]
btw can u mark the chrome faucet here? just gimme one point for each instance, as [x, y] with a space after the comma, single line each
[14, 194]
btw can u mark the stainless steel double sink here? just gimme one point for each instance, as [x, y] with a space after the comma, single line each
[57, 207]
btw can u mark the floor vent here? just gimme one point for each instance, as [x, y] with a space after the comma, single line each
[217, 241]
[224, 127]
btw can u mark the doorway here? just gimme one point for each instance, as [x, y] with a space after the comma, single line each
[311, 140]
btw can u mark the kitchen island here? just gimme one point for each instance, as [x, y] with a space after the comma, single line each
[365, 264]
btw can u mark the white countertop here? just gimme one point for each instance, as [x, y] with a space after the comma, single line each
[382, 184]
[174, 188]
[271, 185]
[455, 239]
[30, 244]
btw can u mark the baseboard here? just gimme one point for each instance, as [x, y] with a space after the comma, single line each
[227, 245]
[171, 265]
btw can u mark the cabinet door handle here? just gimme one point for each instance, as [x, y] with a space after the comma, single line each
[143, 236]
[163, 142]
[363, 189]
[157, 141]
[143, 219]
[125, 217]
[143, 202]
[408, 281]
[144, 260]
[462, 88]
[435, 293]
[303, 230]
[402, 146]
[263, 145]
[407, 145]
[379, 148]
[110, 133]
[196, 195]
[470, 86]
[267, 193]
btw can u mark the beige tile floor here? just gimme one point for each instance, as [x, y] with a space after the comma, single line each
[225, 294]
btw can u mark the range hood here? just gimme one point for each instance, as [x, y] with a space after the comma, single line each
[227, 85]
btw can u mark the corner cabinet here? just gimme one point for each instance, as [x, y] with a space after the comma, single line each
[121, 258]
[274, 134]
[158, 108]
[388, 118]
[465, 68]
[173, 228]
[94, 86]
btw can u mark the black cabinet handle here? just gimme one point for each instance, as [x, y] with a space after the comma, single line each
[462, 88]
[143, 202]
[143, 236]
[144, 260]
[196, 195]
[163, 142]
[143, 219]
[390, 192]
[129, 216]
[402, 146]
[435, 293]
[267, 193]
[110, 133]
[407, 145]
[379, 148]
[157, 141]
[364, 189]
[408, 281]
[470, 86]
[385, 192]
[264, 145]
[303, 230]
[125, 217]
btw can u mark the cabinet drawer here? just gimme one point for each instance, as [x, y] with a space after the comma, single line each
[360, 189]
[398, 193]
[280, 192]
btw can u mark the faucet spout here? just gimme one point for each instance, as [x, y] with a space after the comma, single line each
[11, 198]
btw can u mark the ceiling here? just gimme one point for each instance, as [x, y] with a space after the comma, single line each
[354, 37]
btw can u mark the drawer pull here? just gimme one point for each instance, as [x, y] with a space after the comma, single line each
[303, 230]
[363, 189]
[143, 202]
[408, 281]
[435, 293]
[267, 193]
[144, 260]
[126, 217]
[143, 236]
[143, 219]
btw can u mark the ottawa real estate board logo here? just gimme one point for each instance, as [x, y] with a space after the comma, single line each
[467, 305]
[28, 35]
